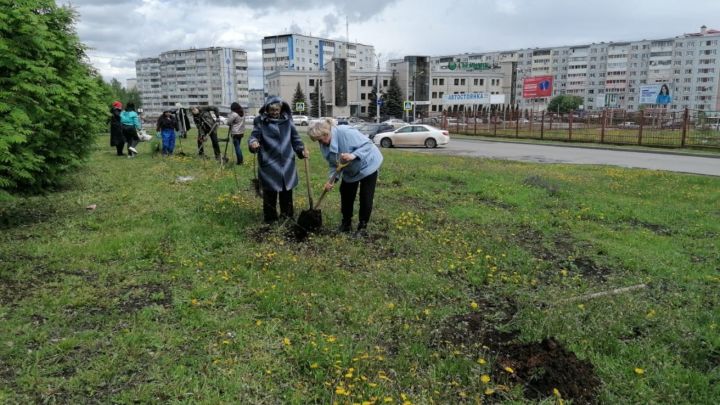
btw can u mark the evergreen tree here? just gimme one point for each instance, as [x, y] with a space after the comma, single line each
[52, 102]
[372, 103]
[299, 97]
[393, 99]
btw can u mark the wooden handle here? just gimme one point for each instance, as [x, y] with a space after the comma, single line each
[307, 180]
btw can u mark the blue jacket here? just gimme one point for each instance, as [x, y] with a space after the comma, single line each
[346, 139]
[278, 140]
[130, 118]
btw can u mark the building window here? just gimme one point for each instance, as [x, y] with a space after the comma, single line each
[370, 83]
[434, 81]
[362, 83]
[385, 83]
[434, 94]
[362, 96]
[442, 82]
[311, 82]
[457, 82]
[462, 82]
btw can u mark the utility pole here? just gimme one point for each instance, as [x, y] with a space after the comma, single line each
[377, 91]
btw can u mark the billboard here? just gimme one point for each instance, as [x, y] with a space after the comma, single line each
[537, 86]
[658, 93]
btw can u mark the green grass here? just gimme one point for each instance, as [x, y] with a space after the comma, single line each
[171, 292]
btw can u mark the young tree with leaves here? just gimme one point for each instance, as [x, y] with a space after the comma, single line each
[564, 103]
[299, 97]
[51, 102]
[314, 102]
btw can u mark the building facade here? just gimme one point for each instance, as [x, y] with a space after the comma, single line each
[193, 77]
[295, 52]
[612, 75]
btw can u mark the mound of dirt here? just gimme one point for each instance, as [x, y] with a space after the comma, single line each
[543, 366]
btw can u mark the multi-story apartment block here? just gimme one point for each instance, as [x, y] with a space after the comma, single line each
[295, 52]
[611, 75]
[255, 101]
[192, 77]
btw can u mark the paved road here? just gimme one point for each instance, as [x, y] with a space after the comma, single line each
[575, 155]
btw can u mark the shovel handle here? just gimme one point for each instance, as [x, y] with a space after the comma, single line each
[307, 181]
[332, 178]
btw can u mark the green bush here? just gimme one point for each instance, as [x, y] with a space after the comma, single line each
[50, 97]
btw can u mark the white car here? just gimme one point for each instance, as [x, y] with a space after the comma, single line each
[397, 123]
[413, 135]
[249, 119]
[301, 120]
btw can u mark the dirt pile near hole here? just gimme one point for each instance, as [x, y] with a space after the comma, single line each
[538, 366]
[543, 366]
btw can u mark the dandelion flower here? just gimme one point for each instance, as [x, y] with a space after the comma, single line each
[639, 371]
[509, 370]
[314, 365]
[581, 307]
[286, 341]
[481, 361]
[258, 322]
[489, 391]
[485, 378]
[556, 392]
[474, 305]
[194, 302]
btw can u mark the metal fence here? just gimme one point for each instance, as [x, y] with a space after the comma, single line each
[650, 127]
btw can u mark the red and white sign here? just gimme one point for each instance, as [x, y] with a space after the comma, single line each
[537, 86]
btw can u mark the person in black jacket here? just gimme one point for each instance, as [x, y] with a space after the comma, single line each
[206, 125]
[116, 134]
[166, 125]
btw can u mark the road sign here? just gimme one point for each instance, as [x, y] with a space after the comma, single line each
[379, 102]
[408, 105]
[300, 106]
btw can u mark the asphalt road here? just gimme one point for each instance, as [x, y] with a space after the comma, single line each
[578, 155]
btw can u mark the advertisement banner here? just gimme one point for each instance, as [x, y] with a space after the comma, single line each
[658, 93]
[537, 86]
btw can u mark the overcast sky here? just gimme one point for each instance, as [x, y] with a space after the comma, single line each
[122, 31]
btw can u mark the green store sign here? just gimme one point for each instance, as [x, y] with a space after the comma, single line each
[468, 66]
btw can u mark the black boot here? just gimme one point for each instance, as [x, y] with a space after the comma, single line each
[361, 229]
[345, 226]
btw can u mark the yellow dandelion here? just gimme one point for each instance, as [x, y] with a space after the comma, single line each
[474, 305]
[194, 302]
[509, 370]
[581, 307]
[556, 392]
[331, 339]
[287, 342]
[226, 342]
[390, 305]
[340, 391]
[388, 400]
[639, 371]
[314, 365]
[481, 361]
[258, 322]
[485, 378]
[489, 391]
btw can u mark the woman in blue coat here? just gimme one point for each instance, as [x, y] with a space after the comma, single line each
[342, 144]
[276, 142]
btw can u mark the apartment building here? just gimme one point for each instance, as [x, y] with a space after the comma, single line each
[193, 77]
[295, 52]
[611, 75]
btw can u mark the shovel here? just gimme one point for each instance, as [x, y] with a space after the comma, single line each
[255, 181]
[309, 220]
[332, 178]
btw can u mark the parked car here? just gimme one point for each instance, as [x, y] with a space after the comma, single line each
[672, 124]
[373, 129]
[628, 125]
[249, 119]
[301, 120]
[395, 122]
[413, 135]
[222, 120]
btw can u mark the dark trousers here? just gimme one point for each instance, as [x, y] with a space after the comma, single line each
[348, 191]
[215, 144]
[131, 137]
[120, 147]
[270, 200]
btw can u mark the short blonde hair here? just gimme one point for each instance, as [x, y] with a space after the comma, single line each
[320, 128]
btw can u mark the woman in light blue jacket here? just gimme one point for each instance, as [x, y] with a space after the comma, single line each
[341, 144]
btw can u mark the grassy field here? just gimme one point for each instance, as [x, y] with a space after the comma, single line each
[472, 286]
